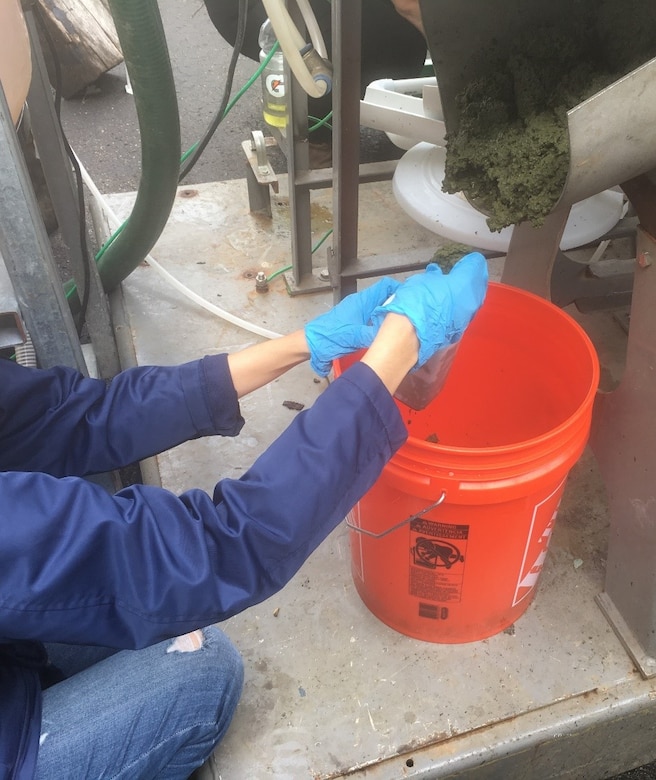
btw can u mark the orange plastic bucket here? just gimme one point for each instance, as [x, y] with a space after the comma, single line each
[448, 545]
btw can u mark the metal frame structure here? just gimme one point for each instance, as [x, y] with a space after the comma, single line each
[624, 442]
[63, 191]
[345, 177]
[28, 258]
[344, 266]
[25, 245]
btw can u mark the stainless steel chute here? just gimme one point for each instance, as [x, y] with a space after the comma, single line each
[612, 135]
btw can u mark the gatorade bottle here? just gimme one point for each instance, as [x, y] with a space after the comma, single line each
[274, 90]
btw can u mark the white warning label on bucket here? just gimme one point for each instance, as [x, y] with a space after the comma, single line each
[537, 543]
[437, 560]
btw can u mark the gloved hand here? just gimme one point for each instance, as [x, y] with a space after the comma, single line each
[347, 327]
[440, 306]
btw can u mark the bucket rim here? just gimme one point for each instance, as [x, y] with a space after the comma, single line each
[583, 410]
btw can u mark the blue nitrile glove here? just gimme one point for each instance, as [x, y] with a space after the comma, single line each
[440, 306]
[347, 327]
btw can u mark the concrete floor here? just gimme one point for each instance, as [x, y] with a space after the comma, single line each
[294, 720]
[330, 690]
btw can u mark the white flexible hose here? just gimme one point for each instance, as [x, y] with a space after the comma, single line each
[115, 223]
[26, 353]
[313, 28]
[291, 43]
[282, 17]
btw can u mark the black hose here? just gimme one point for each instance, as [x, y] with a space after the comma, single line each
[220, 114]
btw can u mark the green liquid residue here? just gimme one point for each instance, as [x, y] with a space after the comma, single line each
[510, 154]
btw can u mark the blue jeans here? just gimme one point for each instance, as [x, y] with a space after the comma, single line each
[138, 714]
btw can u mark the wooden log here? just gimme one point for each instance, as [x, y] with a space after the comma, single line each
[84, 39]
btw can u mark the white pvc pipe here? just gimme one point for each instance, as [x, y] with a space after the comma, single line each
[115, 223]
[291, 43]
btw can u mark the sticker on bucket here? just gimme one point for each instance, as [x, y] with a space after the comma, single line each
[537, 544]
[437, 560]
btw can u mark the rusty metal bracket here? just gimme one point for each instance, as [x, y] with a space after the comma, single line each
[260, 176]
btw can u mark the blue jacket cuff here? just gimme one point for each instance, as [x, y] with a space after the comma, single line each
[213, 401]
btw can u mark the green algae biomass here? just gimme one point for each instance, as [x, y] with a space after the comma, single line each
[447, 255]
[510, 153]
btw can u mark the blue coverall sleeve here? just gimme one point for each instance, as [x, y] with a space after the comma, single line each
[80, 565]
[61, 423]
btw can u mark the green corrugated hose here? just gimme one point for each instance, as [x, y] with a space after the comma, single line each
[141, 35]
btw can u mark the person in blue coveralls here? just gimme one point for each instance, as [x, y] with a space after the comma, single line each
[111, 664]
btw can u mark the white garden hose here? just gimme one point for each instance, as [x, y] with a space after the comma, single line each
[115, 222]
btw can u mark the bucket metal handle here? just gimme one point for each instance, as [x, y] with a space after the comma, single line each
[374, 535]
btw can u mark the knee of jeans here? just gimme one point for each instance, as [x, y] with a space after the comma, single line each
[230, 659]
[222, 646]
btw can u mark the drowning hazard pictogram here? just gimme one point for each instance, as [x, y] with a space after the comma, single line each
[437, 558]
